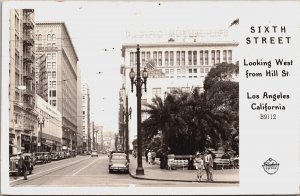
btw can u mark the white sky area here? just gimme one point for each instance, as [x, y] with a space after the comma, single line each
[96, 26]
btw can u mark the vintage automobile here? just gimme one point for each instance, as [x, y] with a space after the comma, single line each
[94, 153]
[13, 163]
[47, 157]
[39, 158]
[55, 156]
[118, 163]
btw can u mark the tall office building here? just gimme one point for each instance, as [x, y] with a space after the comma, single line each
[53, 40]
[22, 87]
[86, 118]
[171, 65]
[79, 114]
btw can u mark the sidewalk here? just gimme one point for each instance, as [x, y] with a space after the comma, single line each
[153, 172]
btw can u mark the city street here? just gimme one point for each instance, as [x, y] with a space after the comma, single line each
[86, 171]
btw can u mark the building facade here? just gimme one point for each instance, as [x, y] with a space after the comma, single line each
[86, 139]
[53, 40]
[171, 65]
[79, 149]
[49, 134]
[22, 84]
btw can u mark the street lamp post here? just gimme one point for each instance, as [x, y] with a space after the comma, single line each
[41, 125]
[126, 114]
[138, 83]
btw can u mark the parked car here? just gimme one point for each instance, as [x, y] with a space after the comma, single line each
[55, 156]
[118, 163]
[73, 153]
[62, 154]
[47, 157]
[39, 157]
[13, 163]
[94, 153]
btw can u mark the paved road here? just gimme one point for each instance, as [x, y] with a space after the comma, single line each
[86, 171]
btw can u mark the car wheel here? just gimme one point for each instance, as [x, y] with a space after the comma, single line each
[30, 171]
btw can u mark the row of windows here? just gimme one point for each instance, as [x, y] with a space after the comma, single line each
[192, 57]
[50, 37]
[157, 91]
[52, 74]
[51, 65]
[183, 71]
[51, 56]
[52, 84]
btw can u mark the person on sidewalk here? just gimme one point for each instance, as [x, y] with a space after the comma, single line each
[149, 157]
[146, 154]
[208, 164]
[22, 166]
[153, 155]
[199, 164]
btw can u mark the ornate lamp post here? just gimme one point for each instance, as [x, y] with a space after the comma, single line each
[41, 125]
[127, 113]
[138, 83]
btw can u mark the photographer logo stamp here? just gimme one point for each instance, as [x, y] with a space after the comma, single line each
[270, 166]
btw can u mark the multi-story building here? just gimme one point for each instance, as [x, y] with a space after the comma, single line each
[79, 115]
[53, 40]
[22, 87]
[171, 65]
[41, 77]
[49, 134]
[86, 118]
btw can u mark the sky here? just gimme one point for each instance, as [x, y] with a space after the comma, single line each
[98, 29]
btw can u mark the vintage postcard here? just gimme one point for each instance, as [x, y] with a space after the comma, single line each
[150, 97]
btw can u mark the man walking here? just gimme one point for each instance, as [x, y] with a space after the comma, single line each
[208, 161]
[22, 166]
[146, 155]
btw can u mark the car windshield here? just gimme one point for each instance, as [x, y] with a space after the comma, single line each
[118, 157]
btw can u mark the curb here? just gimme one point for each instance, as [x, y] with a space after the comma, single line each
[142, 178]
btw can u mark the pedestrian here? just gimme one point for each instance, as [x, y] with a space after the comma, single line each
[149, 157]
[199, 164]
[22, 166]
[208, 164]
[146, 154]
[153, 155]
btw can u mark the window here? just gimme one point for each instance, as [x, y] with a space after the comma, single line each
[49, 74]
[49, 65]
[171, 71]
[155, 57]
[183, 71]
[171, 58]
[54, 56]
[166, 71]
[54, 74]
[185, 89]
[48, 56]
[54, 102]
[40, 37]
[49, 37]
[178, 58]
[53, 37]
[229, 56]
[52, 93]
[182, 57]
[156, 92]
[201, 57]
[53, 65]
[166, 58]
[83, 112]
[218, 56]
[195, 57]
[143, 58]
[195, 70]
[206, 57]
[190, 70]
[178, 76]
[148, 55]
[131, 58]
[225, 56]
[49, 45]
[206, 70]
[190, 57]
[53, 45]
[178, 71]
[54, 84]
[201, 70]
[160, 58]
[213, 57]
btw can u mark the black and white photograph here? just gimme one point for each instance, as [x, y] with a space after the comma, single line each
[146, 97]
